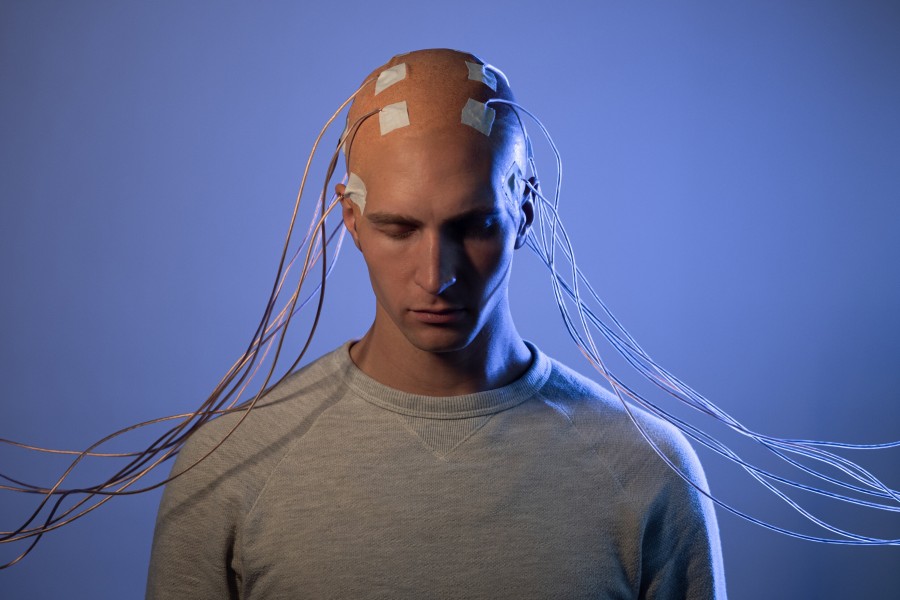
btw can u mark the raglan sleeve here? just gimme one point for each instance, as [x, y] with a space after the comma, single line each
[681, 550]
[193, 554]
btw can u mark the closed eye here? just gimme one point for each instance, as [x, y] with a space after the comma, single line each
[393, 226]
[478, 226]
[475, 225]
[397, 231]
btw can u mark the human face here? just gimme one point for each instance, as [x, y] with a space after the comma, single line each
[438, 235]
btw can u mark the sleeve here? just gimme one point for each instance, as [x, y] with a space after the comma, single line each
[681, 551]
[193, 554]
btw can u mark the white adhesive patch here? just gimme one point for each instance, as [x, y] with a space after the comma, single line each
[477, 115]
[515, 185]
[356, 191]
[393, 116]
[480, 73]
[389, 77]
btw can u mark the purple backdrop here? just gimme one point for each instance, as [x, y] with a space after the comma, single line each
[731, 187]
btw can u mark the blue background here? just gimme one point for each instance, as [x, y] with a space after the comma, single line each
[731, 188]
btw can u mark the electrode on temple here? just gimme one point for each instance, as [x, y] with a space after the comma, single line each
[355, 190]
[515, 185]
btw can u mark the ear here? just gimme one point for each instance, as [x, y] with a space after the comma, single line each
[349, 212]
[526, 211]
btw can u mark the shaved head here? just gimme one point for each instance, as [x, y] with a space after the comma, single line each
[424, 105]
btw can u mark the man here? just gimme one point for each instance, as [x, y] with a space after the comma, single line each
[440, 455]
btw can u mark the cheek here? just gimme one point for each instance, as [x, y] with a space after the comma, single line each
[490, 259]
[388, 269]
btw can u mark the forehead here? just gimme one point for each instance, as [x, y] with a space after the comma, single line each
[434, 175]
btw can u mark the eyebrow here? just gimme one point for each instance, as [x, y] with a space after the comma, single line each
[386, 218]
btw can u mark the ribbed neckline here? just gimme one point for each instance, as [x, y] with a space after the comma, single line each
[446, 407]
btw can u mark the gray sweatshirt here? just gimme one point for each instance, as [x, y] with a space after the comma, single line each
[336, 486]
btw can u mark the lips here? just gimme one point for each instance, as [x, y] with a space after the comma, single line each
[443, 316]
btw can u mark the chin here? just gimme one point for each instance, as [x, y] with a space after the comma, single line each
[440, 340]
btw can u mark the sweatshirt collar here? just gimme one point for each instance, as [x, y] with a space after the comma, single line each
[446, 407]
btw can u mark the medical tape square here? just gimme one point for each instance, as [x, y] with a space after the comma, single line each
[477, 115]
[355, 190]
[515, 185]
[389, 77]
[480, 73]
[393, 116]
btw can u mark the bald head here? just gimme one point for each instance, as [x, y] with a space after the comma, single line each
[430, 105]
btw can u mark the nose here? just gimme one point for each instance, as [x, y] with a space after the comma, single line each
[437, 264]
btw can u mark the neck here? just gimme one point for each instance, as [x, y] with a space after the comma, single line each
[496, 357]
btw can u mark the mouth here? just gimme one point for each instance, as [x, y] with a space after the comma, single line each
[442, 316]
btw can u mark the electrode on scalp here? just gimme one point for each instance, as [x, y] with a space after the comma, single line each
[477, 115]
[389, 77]
[393, 116]
[481, 73]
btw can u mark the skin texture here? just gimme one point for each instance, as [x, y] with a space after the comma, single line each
[438, 234]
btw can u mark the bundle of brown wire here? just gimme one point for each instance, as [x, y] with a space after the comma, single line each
[52, 510]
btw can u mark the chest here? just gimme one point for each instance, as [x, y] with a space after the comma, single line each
[398, 521]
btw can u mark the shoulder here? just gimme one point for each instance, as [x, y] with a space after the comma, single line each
[661, 480]
[221, 471]
[629, 438]
[249, 442]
